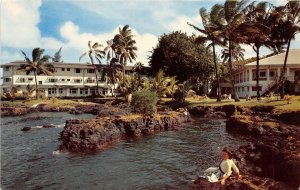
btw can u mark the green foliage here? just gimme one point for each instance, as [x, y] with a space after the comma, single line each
[178, 55]
[181, 92]
[144, 102]
[163, 84]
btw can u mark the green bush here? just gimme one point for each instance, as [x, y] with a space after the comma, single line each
[144, 102]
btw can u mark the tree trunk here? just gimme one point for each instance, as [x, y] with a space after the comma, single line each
[283, 76]
[123, 72]
[217, 75]
[257, 73]
[36, 85]
[96, 75]
[231, 73]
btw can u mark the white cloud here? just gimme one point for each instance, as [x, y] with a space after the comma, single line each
[19, 23]
[180, 24]
[78, 41]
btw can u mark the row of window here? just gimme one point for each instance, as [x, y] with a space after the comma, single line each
[243, 77]
[74, 91]
[51, 80]
[76, 70]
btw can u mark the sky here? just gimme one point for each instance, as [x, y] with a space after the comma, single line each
[70, 24]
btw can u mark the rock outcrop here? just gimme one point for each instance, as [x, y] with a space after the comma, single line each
[14, 111]
[86, 135]
[275, 151]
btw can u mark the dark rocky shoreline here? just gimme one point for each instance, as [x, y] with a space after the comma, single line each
[272, 161]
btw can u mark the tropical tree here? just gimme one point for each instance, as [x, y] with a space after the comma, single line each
[213, 24]
[234, 17]
[57, 56]
[29, 91]
[290, 27]
[94, 51]
[178, 55]
[124, 46]
[38, 65]
[161, 83]
[256, 31]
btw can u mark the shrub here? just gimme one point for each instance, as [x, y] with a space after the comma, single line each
[144, 102]
[287, 98]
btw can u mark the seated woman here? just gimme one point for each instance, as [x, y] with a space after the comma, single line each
[224, 171]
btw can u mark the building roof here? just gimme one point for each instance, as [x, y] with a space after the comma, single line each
[61, 65]
[293, 58]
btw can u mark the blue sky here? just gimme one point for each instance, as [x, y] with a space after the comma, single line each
[70, 24]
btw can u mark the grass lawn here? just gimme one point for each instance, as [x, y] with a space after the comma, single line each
[279, 105]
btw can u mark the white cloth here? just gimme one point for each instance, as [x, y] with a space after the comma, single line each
[227, 166]
[213, 174]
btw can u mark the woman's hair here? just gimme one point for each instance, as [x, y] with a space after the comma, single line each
[228, 152]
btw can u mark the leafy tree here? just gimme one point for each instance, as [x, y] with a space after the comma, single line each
[144, 102]
[94, 51]
[38, 65]
[178, 55]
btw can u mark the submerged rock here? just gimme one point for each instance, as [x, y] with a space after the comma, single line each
[26, 129]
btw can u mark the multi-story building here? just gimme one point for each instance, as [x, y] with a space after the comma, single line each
[269, 71]
[68, 80]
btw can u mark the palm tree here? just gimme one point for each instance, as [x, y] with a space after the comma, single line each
[38, 65]
[237, 54]
[256, 32]
[234, 17]
[57, 56]
[291, 26]
[94, 51]
[125, 47]
[213, 25]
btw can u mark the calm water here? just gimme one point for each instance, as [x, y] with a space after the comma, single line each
[168, 160]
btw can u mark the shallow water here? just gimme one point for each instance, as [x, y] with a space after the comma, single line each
[167, 160]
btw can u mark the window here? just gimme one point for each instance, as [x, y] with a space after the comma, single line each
[93, 91]
[90, 71]
[30, 79]
[6, 68]
[262, 73]
[254, 88]
[73, 90]
[40, 82]
[63, 80]
[61, 90]
[7, 79]
[52, 91]
[62, 69]
[84, 91]
[90, 80]
[77, 70]
[68, 80]
[68, 69]
[52, 80]
[22, 79]
[77, 80]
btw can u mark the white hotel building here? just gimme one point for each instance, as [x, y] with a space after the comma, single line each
[269, 71]
[68, 80]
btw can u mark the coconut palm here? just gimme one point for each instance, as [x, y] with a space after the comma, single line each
[213, 24]
[38, 65]
[234, 17]
[290, 27]
[125, 47]
[237, 54]
[57, 56]
[256, 31]
[94, 51]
